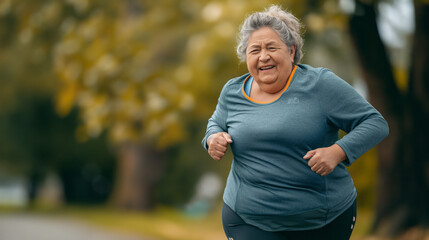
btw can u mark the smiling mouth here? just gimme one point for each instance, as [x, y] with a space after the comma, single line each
[266, 68]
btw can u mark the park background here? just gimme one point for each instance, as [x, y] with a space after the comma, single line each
[103, 105]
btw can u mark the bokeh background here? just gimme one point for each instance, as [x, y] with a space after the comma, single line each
[103, 105]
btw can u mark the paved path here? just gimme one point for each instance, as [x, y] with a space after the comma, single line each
[37, 227]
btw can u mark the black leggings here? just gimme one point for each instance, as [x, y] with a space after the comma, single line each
[339, 229]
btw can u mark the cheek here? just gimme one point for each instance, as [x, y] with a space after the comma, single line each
[251, 65]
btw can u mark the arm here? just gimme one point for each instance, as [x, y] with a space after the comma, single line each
[345, 109]
[216, 138]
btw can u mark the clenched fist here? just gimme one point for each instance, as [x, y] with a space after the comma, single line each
[323, 160]
[218, 143]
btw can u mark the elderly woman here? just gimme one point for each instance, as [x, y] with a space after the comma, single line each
[288, 178]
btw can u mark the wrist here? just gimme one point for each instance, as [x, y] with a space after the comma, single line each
[209, 139]
[340, 152]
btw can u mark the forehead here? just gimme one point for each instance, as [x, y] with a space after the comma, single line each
[264, 35]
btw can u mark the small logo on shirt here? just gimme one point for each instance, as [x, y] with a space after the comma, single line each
[293, 100]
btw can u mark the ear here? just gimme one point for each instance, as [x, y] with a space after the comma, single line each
[292, 50]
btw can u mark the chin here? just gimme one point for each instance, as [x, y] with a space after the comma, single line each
[268, 80]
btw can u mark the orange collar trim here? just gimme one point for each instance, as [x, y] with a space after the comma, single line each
[284, 89]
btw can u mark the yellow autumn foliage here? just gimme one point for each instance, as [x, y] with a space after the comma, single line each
[145, 75]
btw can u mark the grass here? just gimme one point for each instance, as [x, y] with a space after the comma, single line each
[163, 223]
[170, 224]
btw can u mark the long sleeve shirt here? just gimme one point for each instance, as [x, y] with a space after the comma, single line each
[270, 185]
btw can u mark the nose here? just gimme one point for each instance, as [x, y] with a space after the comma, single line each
[265, 56]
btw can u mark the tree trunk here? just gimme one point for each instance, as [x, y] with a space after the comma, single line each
[139, 168]
[419, 99]
[403, 171]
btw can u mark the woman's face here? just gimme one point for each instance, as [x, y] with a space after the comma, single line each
[269, 60]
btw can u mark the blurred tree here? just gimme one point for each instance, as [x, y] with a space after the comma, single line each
[22, 94]
[145, 73]
[34, 140]
[403, 182]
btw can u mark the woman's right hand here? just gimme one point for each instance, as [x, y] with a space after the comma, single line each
[218, 143]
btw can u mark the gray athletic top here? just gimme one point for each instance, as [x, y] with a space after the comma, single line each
[270, 185]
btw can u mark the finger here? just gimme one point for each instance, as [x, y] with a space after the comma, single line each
[316, 169]
[327, 170]
[324, 173]
[309, 154]
[320, 171]
[220, 155]
[216, 147]
[220, 141]
[314, 160]
[220, 148]
[217, 156]
[217, 152]
[227, 137]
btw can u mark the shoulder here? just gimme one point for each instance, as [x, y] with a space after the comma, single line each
[307, 70]
[324, 78]
[234, 84]
[315, 73]
[237, 81]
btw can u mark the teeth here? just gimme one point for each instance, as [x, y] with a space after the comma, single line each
[265, 68]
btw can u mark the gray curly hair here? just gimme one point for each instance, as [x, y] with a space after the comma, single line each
[284, 23]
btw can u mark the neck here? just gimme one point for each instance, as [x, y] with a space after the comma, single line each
[272, 88]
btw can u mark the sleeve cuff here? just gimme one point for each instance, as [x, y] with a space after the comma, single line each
[350, 158]
[204, 141]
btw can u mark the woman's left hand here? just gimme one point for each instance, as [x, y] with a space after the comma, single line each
[323, 160]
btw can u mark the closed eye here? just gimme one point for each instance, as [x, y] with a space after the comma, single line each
[254, 51]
